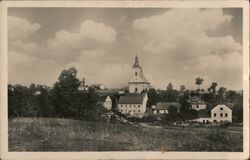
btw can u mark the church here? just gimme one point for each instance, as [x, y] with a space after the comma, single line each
[135, 101]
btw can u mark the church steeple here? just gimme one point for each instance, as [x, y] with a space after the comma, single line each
[136, 65]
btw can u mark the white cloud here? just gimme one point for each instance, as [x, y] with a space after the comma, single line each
[24, 69]
[20, 27]
[91, 35]
[30, 46]
[185, 28]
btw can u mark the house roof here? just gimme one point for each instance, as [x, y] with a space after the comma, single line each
[229, 105]
[196, 100]
[166, 105]
[102, 98]
[204, 113]
[132, 98]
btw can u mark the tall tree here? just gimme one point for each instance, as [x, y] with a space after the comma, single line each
[153, 97]
[198, 82]
[65, 93]
[182, 88]
[170, 87]
[213, 87]
[222, 93]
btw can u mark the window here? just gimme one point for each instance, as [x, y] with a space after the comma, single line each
[221, 108]
[135, 73]
[121, 110]
[215, 121]
[135, 89]
[197, 106]
[214, 114]
[139, 106]
[121, 105]
[134, 110]
[221, 115]
[204, 121]
[225, 114]
[129, 105]
[138, 110]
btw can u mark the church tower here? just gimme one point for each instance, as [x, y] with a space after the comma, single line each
[138, 82]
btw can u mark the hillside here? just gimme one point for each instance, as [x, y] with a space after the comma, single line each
[48, 134]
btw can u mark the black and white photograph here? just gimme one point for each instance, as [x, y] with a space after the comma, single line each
[126, 79]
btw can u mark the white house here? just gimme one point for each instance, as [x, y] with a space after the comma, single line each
[133, 103]
[163, 107]
[220, 113]
[204, 116]
[98, 86]
[106, 102]
[197, 103]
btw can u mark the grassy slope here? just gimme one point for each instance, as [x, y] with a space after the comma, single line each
[28, 134]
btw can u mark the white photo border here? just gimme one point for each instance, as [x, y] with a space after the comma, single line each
[5, 154]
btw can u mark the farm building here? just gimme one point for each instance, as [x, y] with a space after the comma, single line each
[219, 113]
[106, 102]
[197, 103]
[163, 107]
[133, 103]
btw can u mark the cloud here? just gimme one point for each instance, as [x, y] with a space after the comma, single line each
[24, 69]
[20, 27]
[29, 46]
[179, 38]
[91, 35]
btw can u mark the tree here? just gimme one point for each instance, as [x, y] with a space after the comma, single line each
[213, 87]
[65, 93]
[170, 87]
[153, 97]
[222, 93]
[198, 82]
[182, 88]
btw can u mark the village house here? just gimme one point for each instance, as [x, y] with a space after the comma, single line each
[197, 103]
[106, 102]
[219, 113]
[83, 86]
[163, 107]
[204, 116]
[136, 100]
[133, 103]
[98, 86]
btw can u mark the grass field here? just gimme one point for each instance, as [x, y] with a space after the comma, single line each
[48, 134]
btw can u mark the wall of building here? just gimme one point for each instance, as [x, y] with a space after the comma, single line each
[221, 113]
[199, 106]
[131, 108]
[140, 87]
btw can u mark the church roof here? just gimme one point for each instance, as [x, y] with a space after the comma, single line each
[132, 98]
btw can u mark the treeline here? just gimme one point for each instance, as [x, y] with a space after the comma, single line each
[63, 100]
[211, 97]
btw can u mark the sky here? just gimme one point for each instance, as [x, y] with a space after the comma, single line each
[174, 45]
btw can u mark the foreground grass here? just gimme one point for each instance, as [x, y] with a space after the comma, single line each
[48, 134]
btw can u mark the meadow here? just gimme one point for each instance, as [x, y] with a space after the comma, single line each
[50, 134]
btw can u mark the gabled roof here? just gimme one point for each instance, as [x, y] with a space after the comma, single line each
[102, 98]
[230, 106]
[204, 113]
[166, 105]
[196, 100]
[132, 98]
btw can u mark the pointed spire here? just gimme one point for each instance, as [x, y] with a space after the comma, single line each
[136, 62]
